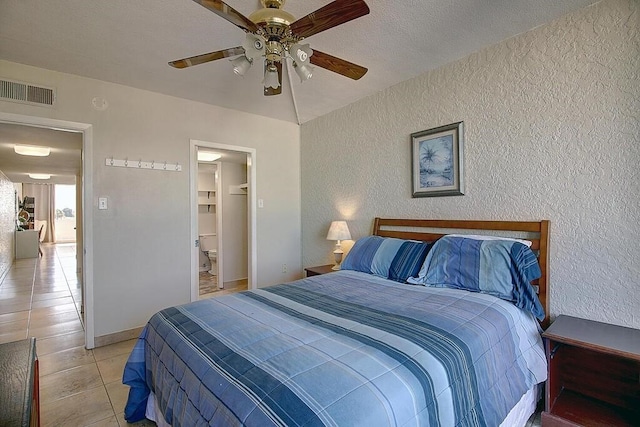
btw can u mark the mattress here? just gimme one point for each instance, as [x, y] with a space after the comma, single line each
[345, 348]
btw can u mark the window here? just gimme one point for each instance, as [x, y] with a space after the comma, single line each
[65, 204]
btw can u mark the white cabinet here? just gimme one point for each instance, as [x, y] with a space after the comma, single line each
[27, 244]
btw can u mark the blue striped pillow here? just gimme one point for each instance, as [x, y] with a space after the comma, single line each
[408, 260]
[500, 268]
[361, 254]
[379, 255]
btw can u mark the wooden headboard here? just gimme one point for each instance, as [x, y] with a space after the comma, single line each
[429, 230]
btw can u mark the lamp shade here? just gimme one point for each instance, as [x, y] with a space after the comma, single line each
[339, 231]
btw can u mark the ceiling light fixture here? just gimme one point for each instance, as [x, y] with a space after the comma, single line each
[31, 150]
[39, 176]
[274, 36]
[208, 156]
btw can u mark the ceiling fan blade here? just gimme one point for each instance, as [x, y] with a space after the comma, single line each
[206, 57]
[269, 91]
[335, 13]
[225, 11]
[337, 65]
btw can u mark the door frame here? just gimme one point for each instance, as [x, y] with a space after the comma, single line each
[86, 246]
[252, 261]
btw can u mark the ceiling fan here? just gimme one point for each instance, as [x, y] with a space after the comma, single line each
[276, 35]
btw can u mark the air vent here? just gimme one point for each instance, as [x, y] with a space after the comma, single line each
[26, 93]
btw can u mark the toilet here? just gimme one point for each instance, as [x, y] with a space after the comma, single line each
[208, 245]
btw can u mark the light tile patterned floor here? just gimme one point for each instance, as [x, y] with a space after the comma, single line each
[40, 297]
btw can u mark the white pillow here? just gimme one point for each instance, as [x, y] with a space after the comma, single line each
[482, 237]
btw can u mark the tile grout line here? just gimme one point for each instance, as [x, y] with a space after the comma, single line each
[66, 279]
[33, 286]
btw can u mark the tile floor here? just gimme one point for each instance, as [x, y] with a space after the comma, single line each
[40, 298]
[209, 286]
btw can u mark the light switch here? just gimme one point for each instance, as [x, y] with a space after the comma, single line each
[261, 203]
[102, 203]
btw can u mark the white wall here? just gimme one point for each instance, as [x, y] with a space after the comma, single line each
[141, 246]
[552, 131]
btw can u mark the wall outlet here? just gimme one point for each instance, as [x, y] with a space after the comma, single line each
[284, 268]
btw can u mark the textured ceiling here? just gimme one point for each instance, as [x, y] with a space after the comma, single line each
[130, 42]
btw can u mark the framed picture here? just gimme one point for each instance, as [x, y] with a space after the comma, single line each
[436, 158]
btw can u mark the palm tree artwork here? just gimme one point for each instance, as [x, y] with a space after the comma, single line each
[436, 162]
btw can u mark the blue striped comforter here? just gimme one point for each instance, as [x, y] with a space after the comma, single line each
[341, 349]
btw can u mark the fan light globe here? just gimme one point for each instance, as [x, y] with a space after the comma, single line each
[303, 71]
[240, 65]
[301, 53]
[271, 77]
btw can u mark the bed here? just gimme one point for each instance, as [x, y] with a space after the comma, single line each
[420, 327]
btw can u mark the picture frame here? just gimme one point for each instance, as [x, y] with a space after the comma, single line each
[437, 161]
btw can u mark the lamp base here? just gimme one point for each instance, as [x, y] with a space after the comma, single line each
[337, 257]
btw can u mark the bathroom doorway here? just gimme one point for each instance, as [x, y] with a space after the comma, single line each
[223, 219]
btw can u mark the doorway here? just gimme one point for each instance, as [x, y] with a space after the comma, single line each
[84, 214]
[209, 208]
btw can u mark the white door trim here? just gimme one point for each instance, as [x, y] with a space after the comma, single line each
[252, 205]
[87, 205]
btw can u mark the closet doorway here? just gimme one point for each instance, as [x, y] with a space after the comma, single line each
[223, 218]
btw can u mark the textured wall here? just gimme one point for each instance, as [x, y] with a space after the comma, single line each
[7, 224]
[552, 131]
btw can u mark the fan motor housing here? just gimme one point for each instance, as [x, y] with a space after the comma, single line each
[272, 3]
[271, 16]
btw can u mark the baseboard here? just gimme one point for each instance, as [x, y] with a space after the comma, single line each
[109, 339]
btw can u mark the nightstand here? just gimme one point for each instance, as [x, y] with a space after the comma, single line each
[19, 384]
[594, 374]
[318, 270]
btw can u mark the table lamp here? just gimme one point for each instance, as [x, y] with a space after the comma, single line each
[338, 231]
